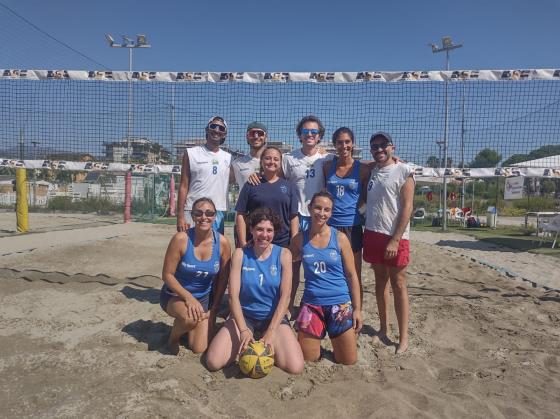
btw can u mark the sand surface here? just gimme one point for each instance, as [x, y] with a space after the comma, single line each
[82, 335]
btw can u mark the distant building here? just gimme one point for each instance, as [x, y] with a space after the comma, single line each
[182, 146]
[142, 150]
[356, 153]
[284, 147]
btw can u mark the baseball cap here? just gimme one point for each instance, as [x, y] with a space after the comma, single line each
[382, 134]
[257, 125]
[219, 118]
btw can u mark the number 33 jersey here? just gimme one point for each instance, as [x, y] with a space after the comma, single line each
[306, 174]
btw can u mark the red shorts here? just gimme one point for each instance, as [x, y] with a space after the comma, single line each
[374, 250]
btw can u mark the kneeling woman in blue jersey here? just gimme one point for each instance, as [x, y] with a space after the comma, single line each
[331, 298]
[195, 273]
[259, 291]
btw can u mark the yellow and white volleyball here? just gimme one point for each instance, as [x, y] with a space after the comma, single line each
[257, 360]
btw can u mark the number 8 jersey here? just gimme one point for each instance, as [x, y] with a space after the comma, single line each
[325, 280]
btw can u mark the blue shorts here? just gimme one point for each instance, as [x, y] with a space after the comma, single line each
[258, 327]
[219, 222]
[317, 321]
[304, 222]
[355, 235]
[165, 296]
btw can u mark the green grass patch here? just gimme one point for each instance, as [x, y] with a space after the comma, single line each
[517, 238]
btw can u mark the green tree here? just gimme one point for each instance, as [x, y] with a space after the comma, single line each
[486, 158]
[539, 153]
[432, 161]
[548, 187]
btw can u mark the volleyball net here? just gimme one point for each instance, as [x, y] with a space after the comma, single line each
[85, 129]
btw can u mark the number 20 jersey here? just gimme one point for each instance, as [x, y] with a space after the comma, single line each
[325, 281]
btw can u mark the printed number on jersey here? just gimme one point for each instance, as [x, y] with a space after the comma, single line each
[320, 267]
[339, 190]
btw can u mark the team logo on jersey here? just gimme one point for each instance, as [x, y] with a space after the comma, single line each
[215, 161]
[333, 254]
[216, 266]
[273, 270]
[284, 189]
[353, 185]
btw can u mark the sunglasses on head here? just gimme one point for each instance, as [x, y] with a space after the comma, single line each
[259, 132]
[382, 146]
[217, 127]
[306, 131]
[200, 213]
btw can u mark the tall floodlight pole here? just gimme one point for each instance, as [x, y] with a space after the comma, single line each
[447, 45]
[463, 147]
[140, 42]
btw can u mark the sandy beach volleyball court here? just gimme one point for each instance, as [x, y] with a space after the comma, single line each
[82, 335]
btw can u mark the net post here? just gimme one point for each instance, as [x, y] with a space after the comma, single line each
[22, 215]
[127, 196]
[172, 204]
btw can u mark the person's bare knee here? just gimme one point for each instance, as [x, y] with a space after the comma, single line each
[346, 359]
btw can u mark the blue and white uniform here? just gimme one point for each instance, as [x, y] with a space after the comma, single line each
[325, 280]
[306, 174]
[260, 284]
[209, 177]
[195, 275]
[346, 194]
[325, 306]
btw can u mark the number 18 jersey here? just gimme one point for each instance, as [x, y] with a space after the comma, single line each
[325, 280]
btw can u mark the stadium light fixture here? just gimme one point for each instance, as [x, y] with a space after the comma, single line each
[446, 45]
[141, 42]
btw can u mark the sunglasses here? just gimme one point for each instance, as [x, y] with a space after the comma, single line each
[259, 132]
[200, 213]
[306, 131]
[217, 127]
[380, 146]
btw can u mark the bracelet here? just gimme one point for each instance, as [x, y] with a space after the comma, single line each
[244, 330]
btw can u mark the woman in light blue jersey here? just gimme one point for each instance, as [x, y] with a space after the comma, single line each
[259, 293]
[344, 180]
[331, 301]
[195, 272]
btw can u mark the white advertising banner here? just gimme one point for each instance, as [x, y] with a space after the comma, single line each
[514, 187]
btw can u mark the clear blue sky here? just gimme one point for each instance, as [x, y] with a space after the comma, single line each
[284, 35]
[256, 36]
